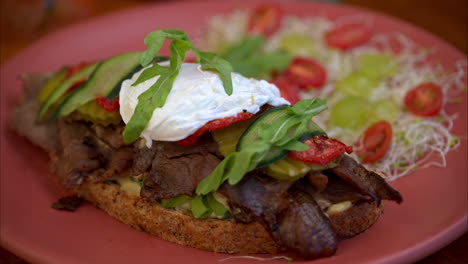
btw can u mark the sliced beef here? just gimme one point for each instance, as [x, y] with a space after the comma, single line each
[335, 191]
[338, 191]
[305, 229]
[78, 154]
[258, 198]
[318, 180]
[177, 170]
[112, 134]
[367, 182]
[143, 157]
[293, 219]
[121, 160]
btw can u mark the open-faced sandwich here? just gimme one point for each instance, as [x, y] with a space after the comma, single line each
[198, 155]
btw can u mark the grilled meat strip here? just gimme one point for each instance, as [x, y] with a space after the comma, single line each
[367, 182]
[177, 170]
[293, 218]
[305, 229]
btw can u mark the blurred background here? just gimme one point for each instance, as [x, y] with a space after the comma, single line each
[24, 21]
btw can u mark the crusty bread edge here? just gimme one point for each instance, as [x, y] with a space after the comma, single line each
[207, 234]
[225, 236]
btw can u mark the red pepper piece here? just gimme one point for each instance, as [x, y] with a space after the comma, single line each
[107, 104]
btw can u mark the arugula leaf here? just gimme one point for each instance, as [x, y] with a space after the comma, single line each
[156, 95]
[155, 40]
[149, 73]
[244, 49]
[217, 207]
[262, 64]
[246, 58]
[199, 207]
[211, 61]
[280, 137]
[176, 201]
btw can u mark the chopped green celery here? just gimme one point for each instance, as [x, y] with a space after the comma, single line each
[298, 44]
[357, 84]
[377, 65]
[351, 113]
[199, 207]
[386, 109]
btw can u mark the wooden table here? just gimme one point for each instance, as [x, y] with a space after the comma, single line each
[446, 19]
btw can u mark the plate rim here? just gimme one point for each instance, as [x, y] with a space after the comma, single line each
[421, 249]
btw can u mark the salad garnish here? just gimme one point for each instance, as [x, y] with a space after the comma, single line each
[372, 77]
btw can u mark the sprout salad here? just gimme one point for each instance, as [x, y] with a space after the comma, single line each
[366, 83]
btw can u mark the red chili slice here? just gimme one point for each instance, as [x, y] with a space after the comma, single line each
[322, 150]
[376, 141]
[265, 19]
[306, 73]
[288, 89]
[212, 126]
[348, 36]
[424, 100]
[107, 104]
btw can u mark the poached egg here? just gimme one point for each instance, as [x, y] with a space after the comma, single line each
[197, 97]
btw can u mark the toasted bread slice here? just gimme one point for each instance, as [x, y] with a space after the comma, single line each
[225, 236]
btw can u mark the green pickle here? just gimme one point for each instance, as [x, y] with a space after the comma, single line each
[227, 138]
[287, 169]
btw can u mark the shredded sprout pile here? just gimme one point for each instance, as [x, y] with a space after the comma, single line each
[418, 142]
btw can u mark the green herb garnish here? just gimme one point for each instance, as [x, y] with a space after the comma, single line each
[156, 95]
[247, 59]
[284, 134]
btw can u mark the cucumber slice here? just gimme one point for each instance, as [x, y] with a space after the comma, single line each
[107, 77]
[252, 133]
[63, 88]
[52, 83]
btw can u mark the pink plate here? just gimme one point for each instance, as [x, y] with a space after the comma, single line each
[432, 215]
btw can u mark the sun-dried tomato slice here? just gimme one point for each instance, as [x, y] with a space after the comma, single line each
[214, 125]
[322, 150]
